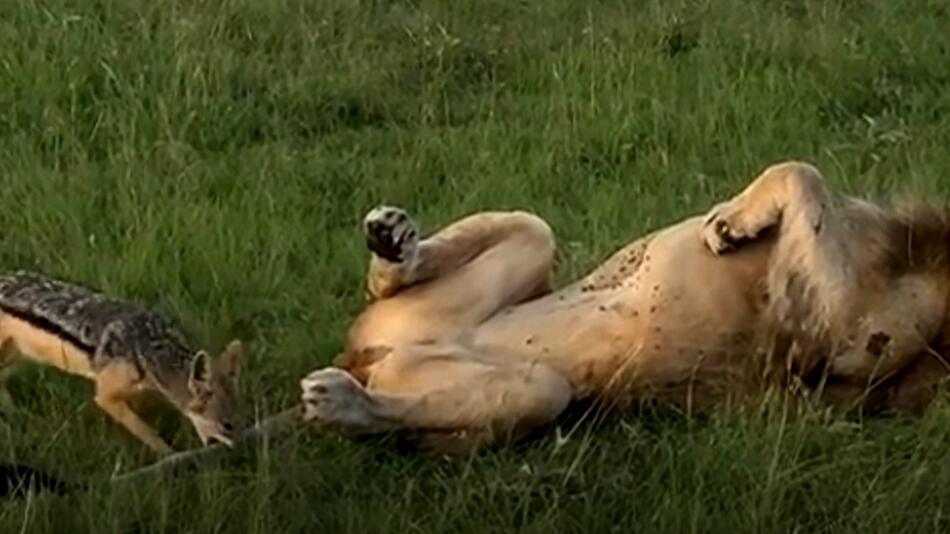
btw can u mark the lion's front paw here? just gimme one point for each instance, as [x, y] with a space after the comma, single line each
[723, 229]
[332, 398]
[390, 233]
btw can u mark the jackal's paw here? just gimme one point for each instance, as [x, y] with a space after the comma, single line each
[724, 228]
[390, 233]
[332, 398]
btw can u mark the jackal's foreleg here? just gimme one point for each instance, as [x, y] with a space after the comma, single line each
[123, 414]
[114, 386]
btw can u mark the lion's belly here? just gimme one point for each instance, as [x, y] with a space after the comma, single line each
[683, 319]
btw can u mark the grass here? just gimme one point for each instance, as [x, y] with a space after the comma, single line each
[214, 158]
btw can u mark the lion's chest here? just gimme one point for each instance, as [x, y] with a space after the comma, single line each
[680, 313]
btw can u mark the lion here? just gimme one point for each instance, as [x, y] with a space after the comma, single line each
[465, 344]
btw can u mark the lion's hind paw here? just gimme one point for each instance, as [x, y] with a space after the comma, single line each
[391, 233]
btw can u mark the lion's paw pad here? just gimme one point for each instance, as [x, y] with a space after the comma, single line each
[332, 397]
[390, 233]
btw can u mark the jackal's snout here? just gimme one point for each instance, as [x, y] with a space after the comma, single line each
[213, 386]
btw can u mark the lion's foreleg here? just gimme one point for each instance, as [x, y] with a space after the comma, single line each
[791, 194]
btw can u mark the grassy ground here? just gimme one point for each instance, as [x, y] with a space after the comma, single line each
[215, 158]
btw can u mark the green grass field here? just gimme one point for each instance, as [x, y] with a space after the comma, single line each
[215, 158]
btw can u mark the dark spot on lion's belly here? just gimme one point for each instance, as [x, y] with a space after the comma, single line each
[877, 342]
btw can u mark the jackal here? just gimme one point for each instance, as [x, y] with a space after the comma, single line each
[126, 349]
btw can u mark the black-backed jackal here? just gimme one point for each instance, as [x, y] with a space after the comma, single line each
[127, 350]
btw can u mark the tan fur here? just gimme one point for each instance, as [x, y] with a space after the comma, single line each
[118, 384]
[775, 287]
[858, 293]
[45, 348]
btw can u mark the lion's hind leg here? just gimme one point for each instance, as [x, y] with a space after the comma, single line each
[481, 262]
[452, 398]
[334, 400]
[392, 237]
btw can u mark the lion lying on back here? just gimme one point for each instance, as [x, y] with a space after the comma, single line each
[465, 344]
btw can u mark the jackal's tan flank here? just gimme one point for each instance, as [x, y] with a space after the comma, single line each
[127, 350]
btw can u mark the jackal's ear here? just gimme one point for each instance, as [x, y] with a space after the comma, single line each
[199, 376]
[231, 359]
